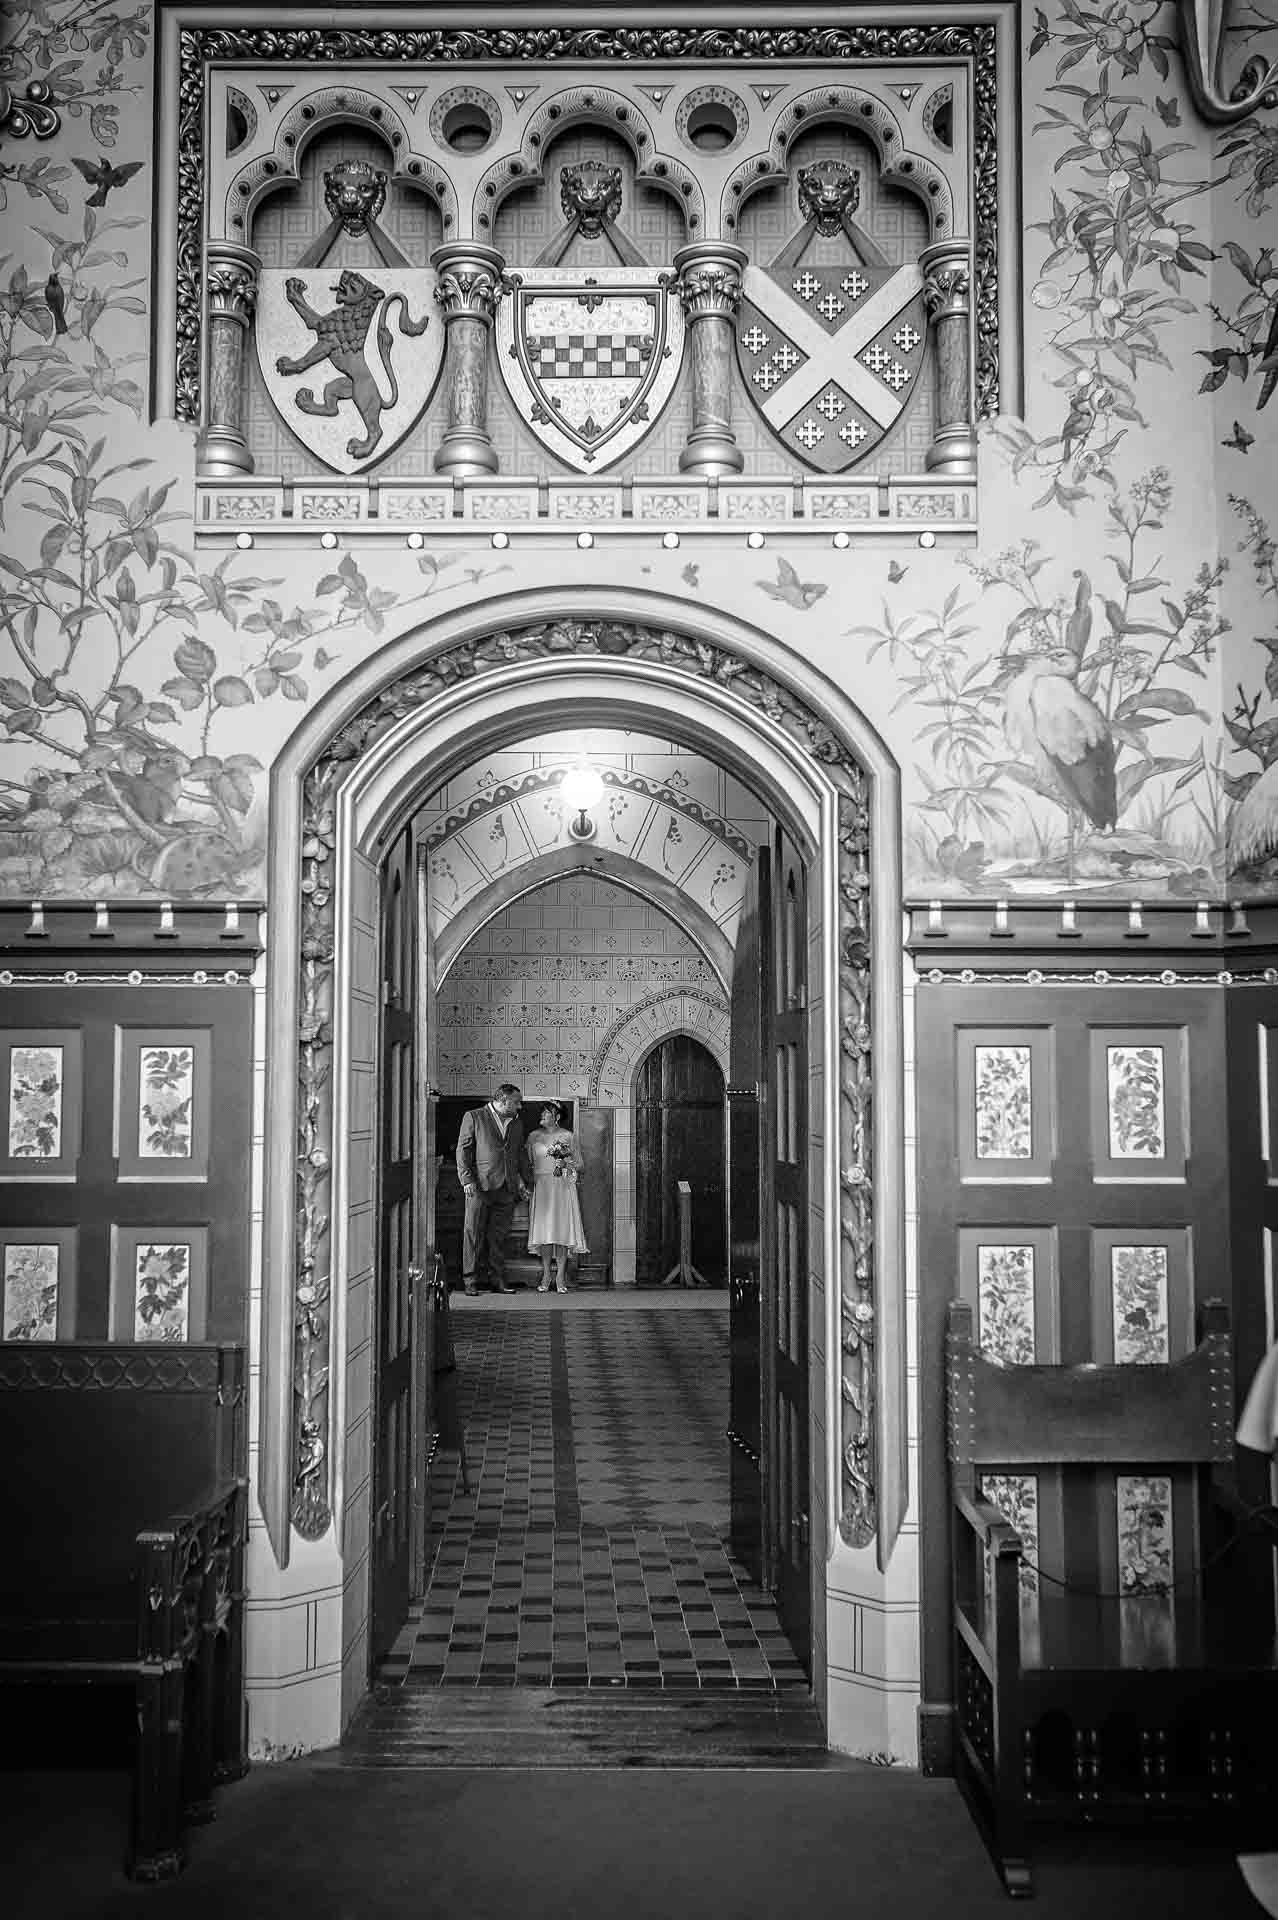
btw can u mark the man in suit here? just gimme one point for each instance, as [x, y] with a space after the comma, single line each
[495, 1171]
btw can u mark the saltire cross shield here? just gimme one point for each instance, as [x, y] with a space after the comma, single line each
[590, 360]
[349, 357]
[831, 355]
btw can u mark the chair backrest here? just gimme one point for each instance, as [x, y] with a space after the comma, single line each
[1010, 1416]
[100, 1441]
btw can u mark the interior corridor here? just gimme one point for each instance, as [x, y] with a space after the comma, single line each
[591, 1547]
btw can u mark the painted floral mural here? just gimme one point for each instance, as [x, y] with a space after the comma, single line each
[1087, 701]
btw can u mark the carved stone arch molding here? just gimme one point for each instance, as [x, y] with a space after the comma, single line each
[316, 113]
[405, 721]
[633, 1034]
[591, 106]
[861, 111]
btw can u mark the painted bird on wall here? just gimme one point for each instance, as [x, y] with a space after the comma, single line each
[1064, 735]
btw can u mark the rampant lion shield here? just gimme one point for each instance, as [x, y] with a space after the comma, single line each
[350, 358]
[831, 355]
[590, 360]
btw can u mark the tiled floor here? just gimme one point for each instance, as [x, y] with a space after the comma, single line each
[590, 1549]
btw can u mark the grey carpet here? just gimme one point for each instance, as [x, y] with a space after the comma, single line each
[310, 1840]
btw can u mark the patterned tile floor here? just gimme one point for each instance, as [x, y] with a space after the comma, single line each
[591, 1547]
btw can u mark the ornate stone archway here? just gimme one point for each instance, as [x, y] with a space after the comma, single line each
[636, 1031]
[724, 668]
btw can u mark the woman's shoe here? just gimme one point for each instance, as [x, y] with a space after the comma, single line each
[544, 1287]
[561, 1286]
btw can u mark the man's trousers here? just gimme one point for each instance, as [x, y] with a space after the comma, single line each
[487, 1223]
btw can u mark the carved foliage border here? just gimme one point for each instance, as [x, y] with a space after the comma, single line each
[602, 640]
[444, 46]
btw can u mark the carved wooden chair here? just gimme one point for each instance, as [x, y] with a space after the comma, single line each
[1090, 1682]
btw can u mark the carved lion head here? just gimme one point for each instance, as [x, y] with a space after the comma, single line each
[355, 193]
[591, 192]
[828, 192]
[352, 289]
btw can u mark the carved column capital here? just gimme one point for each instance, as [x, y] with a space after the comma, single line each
[947, 280]
[232, 281]
[710, 279]
[471, 281]
[947, 295]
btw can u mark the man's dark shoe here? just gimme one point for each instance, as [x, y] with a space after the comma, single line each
[468, 1286]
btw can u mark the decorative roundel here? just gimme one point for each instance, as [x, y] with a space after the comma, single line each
[712, 120]
[465, 120]
[241, 120]
[938, 116]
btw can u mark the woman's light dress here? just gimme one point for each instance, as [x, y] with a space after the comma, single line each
[554, 1218]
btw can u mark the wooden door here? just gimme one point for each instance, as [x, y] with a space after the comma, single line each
[679, 1135]
[393, 1388]
[748, 1218]
[429, 1296]
[785, 1289]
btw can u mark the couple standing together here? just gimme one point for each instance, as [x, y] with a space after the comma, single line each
[497, 1167]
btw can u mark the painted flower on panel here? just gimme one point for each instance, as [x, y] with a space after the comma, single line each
[162, 1297]
[1138, 1290]
[164, 1106]
[1144, 1534]
[1005, 1304]
[1016, 1497]
[35, 1103]
[1003, 1129]
[1137, 1125]
[30, 1292]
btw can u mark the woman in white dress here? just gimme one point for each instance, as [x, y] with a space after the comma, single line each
[554, 1219]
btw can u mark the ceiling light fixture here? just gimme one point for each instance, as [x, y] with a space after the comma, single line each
[582, 789]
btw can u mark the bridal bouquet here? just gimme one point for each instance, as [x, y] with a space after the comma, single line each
[561, 1154]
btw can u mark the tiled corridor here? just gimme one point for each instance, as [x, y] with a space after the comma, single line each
[591, 1547]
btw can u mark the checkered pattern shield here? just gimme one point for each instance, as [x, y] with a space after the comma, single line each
[832, 356]
[590, 362]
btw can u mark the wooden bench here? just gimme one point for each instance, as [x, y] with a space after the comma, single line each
[124, 1532]
[1075, 1700]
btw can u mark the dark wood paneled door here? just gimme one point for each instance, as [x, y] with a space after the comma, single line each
[679, 1135]
[748, 1218]
[785, 1287]
[393, 1399]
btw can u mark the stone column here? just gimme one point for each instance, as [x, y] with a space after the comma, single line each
[471, 282]
[710, 291]
[221, 450]
[947, 295]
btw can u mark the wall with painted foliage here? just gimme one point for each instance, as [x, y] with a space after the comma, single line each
[1128, 517]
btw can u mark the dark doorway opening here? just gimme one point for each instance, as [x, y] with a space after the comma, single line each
[679, 1135]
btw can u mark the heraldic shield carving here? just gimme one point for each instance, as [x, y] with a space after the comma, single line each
[350, 358]
[831, 355]
[590, 358]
